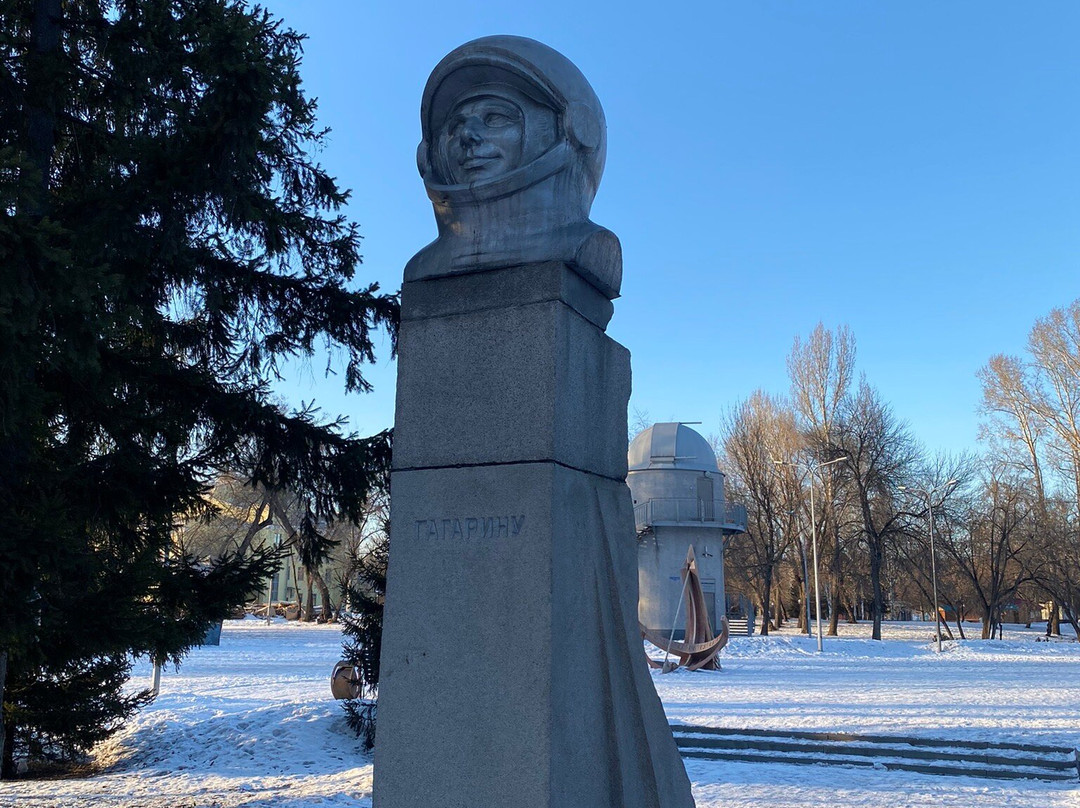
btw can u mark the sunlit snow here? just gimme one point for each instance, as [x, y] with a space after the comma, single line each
[252, 722]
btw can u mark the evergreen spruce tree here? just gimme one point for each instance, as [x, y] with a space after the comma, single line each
[362, 625]
[166, 240]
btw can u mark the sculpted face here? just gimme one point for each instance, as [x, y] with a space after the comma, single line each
[512, 150]
[483, 138]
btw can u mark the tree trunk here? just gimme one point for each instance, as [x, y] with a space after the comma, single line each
[765, 606]
[879, 596]
[7, 763]
[804, 623]
[309, 599]
[3, 727]
[834, 596]
[852, 611]
[1053, 624]
[834, 612]
[1071, 617]
[296, 579]
[988, 624]
[328, 611]
[256, 525]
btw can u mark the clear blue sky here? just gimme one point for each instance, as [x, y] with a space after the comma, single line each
[909, 168]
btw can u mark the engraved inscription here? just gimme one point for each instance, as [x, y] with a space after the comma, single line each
[470, 527]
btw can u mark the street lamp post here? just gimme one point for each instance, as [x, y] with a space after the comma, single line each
[929, 495]
[805, 553]
[813, 468]
[270, 583]
[269, 596]
[933, 571]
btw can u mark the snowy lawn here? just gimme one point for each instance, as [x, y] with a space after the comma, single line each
[252, 723]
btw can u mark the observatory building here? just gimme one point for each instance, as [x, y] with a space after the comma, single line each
[678, 493]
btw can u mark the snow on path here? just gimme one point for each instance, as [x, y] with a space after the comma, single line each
[252, 723]
[1013, 690]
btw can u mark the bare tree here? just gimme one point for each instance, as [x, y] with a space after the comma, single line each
[1033, 405]
[312, 541]
[1054, 561]
[238, 512]
[1014, 422]
[235, 513]
[881, 456]
[945, 479]
[638, 423]
[359, 540]
[990, 544]
[1054, 344]
[821, 369]
[755, 433]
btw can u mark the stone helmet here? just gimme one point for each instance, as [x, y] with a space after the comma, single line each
[564, 128]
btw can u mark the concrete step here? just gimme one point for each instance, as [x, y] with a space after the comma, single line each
[998, 760]
[884, 751]
[739, 627]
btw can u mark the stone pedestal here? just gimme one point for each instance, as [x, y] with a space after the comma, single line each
[512, 669]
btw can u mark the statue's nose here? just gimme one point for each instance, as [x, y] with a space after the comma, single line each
[470, 131]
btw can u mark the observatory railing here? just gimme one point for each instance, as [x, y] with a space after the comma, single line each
[731, 515]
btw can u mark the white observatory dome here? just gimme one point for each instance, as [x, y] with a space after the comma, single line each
[671, 446]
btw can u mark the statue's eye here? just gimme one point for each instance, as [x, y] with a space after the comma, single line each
[497, 120]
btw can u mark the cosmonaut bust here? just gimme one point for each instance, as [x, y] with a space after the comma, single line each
[513, 148]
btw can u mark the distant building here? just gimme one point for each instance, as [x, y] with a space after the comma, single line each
[1022, 610]
[678, 493]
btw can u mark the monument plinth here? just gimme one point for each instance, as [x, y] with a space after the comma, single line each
[512, 671]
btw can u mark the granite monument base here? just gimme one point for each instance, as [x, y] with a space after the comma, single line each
[514, 674]
[512, 668]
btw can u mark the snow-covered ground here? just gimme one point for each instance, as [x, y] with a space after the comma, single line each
[251, 723]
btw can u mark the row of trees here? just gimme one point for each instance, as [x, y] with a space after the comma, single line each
[1033, 427]
[322, 557]
[1006, 522]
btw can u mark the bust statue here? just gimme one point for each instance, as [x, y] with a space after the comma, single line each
[513, 148]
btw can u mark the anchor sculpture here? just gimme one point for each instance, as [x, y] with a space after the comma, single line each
[699, 646]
